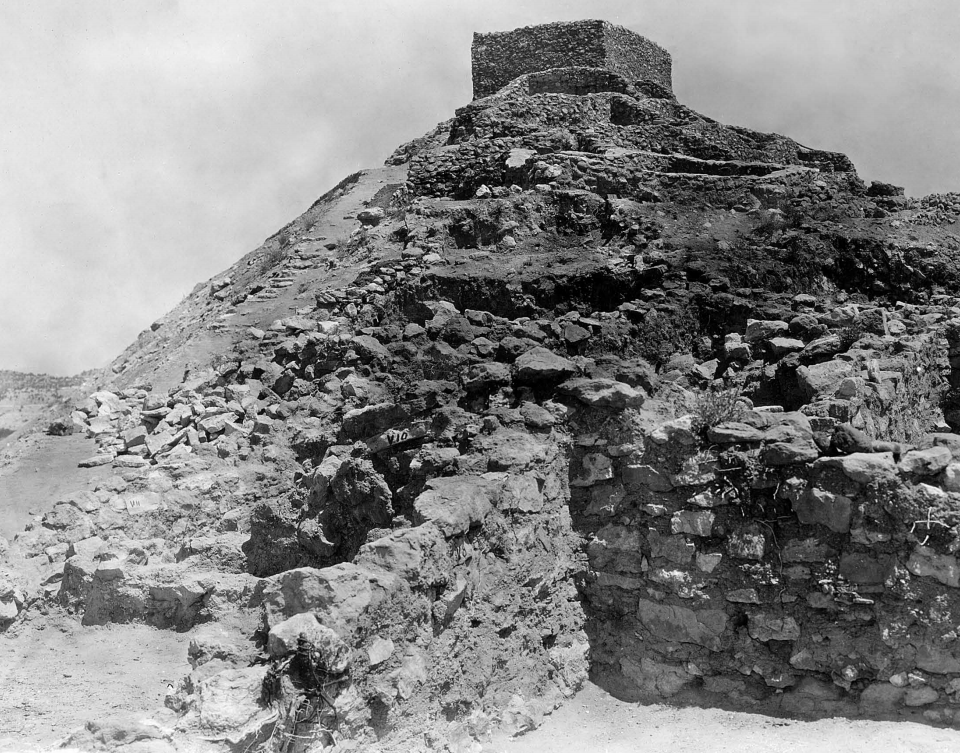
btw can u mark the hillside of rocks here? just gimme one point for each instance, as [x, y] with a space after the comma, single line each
[581, 383]
[27, 397]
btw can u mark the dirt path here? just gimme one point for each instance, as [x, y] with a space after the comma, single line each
[45, 470]
[597, 722]
[56, 675]
[337, 222]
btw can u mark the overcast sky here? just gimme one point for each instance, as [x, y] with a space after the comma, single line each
[146, 145]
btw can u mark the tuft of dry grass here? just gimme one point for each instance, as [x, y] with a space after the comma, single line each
[716, 406]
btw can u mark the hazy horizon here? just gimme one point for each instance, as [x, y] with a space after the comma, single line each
[149, 146]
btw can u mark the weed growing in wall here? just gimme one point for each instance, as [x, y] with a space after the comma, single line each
[849, 335]
[716, 406]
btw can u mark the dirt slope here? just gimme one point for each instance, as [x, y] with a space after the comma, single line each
[56, 675]
[45, 469]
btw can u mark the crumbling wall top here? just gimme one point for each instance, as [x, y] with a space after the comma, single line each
[499, 57]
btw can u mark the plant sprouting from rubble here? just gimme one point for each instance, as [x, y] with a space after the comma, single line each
[849, 335]
[769, 223]
[272, 257]
[717, 406]
[351, 245]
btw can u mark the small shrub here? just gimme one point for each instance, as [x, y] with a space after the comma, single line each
[716, 406]
[223, 363]
[353, 242]
[849, 335]
[271, 258]
[424, 368]
[769, 223]
[62, 427]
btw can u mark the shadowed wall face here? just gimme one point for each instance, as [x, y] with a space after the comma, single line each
[500, 57]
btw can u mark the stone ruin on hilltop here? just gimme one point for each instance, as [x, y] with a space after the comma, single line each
[581, 383]
[500, 57]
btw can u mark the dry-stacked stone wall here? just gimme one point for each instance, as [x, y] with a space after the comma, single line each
[460, 170]
[500, 57]
[636, 58]
[754, 563]
[574, 80]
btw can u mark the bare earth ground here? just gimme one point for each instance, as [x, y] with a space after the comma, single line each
[597, 722]
[56, 675]
[32, 483]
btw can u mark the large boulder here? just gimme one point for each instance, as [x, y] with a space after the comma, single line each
[763, 329]
[360, 423]
[824, 378]
[454, 504]
[485, 376]
[69, 523]
[108, 404]
[603, 393]
[370, 349]
[418, 555]
[734, 432]
[863, 467]
[339, 595]
[790, 441]
[542, 366]
[166, 595]
[230, 700]
[284, 638]
[926, 462]
[516, 492]
[372, 216]
[512, 450]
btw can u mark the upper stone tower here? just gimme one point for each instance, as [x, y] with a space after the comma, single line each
[500, 57]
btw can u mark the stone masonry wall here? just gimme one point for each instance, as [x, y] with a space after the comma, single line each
[500, 57]
[575, 80]
[742, 566]
[460, 169]
[629, 55]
